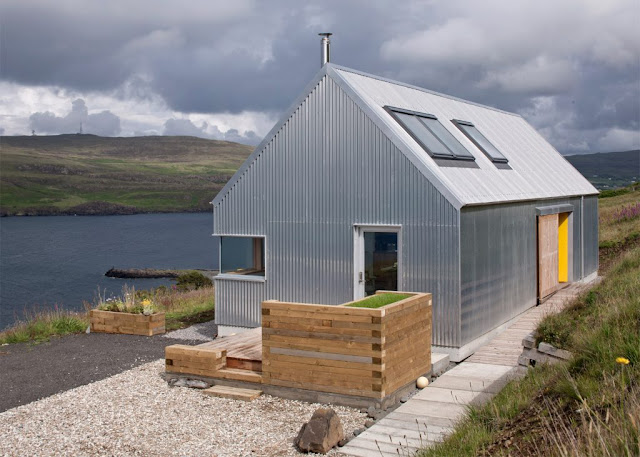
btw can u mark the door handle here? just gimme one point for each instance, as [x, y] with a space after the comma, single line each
[360, 277]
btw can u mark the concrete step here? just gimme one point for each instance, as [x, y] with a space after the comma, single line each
[439, 362]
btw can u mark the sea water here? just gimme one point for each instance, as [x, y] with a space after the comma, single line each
[61, 260]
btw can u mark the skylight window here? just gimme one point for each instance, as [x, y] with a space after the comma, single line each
[480, 141]
[434, 138]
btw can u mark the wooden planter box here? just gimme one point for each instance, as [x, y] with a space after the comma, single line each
[127, 323]
[346, 350]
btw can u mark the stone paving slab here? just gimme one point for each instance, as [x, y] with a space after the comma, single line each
[410, 418]
[447, 395]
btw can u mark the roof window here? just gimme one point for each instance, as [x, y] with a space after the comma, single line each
[481, 142]
[434, 138]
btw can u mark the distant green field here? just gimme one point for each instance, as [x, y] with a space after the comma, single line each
[608, 170]
[87, 174]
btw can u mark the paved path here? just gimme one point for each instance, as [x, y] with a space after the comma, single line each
[431, 414]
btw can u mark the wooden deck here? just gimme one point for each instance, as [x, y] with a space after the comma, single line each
[245, 345]
[244, 350]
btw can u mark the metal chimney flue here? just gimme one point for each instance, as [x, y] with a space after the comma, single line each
[324, 48]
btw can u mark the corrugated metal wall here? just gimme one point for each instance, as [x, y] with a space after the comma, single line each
[329, 167]
[499, 260]
[590, 234]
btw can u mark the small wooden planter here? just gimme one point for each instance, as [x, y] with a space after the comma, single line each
[127, 323]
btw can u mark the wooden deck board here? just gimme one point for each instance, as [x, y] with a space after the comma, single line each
[246, 345]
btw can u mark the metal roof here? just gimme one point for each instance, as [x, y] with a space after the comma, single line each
[538, 171]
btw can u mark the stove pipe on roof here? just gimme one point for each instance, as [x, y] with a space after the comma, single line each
[324, 48]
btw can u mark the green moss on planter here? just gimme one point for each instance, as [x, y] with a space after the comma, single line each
[380, 300]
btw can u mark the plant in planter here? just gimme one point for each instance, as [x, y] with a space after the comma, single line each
[134, 314]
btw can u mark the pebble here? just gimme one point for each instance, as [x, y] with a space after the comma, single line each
[137, 413]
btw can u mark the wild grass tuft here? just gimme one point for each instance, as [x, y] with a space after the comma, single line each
[38, 326]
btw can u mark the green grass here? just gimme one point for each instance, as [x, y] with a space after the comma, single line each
[40, 326]
[613, 230]
[187, 308]
[68, 173]
[379, 300]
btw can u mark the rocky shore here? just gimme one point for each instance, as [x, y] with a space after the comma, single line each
[149, 273]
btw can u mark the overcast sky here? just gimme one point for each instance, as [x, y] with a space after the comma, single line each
[228, 69]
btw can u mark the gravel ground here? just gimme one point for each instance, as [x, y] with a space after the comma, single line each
[30, 372]
[136, 413]
[206, 331]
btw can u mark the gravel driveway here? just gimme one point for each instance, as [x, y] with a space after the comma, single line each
[135, 413]
[29, 372]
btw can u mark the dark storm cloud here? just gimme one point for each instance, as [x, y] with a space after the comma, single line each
[104, 123]
[574, 61]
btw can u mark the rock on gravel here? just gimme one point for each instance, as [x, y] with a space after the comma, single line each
[136, 413]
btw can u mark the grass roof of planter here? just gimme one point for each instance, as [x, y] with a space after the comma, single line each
[379, 300]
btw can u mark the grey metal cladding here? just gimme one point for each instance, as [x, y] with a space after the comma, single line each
[498, 257]
[239, 298]
[590, 234]
[327, 168]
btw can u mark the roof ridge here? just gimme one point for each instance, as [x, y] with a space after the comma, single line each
[421, 89]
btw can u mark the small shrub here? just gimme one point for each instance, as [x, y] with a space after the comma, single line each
[131, 301]
[192, 280]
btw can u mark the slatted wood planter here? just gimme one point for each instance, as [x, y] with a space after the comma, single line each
[127, 323]
[346, 350]
[196, 360]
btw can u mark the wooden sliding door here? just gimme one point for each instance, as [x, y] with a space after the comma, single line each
[547, 255]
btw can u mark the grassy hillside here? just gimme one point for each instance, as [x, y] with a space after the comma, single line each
[88, 174]
[608, 170]
[589, 406]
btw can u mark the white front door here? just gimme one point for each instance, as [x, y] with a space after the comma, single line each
[377, 254]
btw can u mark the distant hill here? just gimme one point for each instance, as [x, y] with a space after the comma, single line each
[608, 170]
[88, 174]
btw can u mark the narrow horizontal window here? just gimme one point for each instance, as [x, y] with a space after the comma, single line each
[434, 138]
[477, 138]
[242, 255]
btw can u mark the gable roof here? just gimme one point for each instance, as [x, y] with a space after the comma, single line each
[538, 171]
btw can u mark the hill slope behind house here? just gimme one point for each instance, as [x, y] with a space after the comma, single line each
[88, 174]
[608, 170]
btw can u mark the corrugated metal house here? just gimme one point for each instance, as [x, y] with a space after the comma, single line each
[368, 184]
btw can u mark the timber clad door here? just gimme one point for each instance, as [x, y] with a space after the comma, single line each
[547, 255]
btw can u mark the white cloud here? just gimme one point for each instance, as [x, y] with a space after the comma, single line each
[539, 75]
[619, 140]
[133, 109]
[104, 123]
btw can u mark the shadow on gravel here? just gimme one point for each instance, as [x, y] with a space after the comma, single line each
[30, 372]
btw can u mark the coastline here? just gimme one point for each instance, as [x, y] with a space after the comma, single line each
[96, 209]
[152, 273]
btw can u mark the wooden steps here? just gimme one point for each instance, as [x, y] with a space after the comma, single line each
[244, 364]
[237, 374]
[234, 393]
